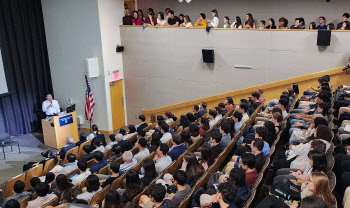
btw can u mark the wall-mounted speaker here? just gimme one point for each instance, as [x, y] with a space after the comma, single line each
[208, 55]
[324, 37]
[92, 67]
[120, 48]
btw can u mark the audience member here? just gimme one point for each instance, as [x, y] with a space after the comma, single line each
[132, 188]
[204, 124]
[92, 188]
[42, 189]
[225, 130]
[201, 23]
[194, 169]
[194, 133]
[215, 21]
[94, 133]
[178, 147]
[143, 151]
[155, 142]
[256, 96]
[112, 199]
[99, 162]
[271, 24]
[244, 109]
[12, 203]
[142, 122]
[248, 165]
[223, 109]
[215, 139]
[262, 24]
[207, 157]
[344, 20]
[20, 194]
[212, 115]
[151, 19]
[283, 23]
[229, 104]
[98, 146]
[140, 13]
[195, 111]
[226, 22]
[127, 19]
[62, 184]
[186, 138]
[126, 145]
[312, 26]
[237, 117]
[238, 23]
[203, 109]
[172, 20]
[68, 167]
[129, 161]
[114, 168]
[249, 23]
[82, 166]
[116, 153]
[160, 20]
[166, 134]
[82, 139]
[187, 22]
[161, 159]
[150, 172]
[155, 198]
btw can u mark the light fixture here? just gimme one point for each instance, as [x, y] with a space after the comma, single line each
[188, 1]
[180, 1]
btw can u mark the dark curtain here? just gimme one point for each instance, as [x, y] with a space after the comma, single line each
[26, 64]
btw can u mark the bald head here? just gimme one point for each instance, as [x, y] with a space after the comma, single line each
[127, 156]
[119, 137]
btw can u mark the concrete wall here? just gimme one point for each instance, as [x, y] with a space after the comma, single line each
[163, 66]
[76, 30]
[290, 9]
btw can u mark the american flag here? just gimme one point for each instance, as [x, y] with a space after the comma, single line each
[90, 102]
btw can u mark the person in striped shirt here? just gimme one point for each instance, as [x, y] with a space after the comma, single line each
[129, 161]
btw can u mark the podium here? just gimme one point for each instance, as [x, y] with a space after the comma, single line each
[58, 128]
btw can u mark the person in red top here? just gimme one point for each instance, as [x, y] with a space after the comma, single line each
[204, 123]
[229, 103]
[261, 98]
[151, 20]
[248, 165]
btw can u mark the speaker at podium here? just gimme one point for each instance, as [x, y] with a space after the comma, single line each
[58, 128]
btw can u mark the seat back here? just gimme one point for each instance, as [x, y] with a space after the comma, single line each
[98, 198]
[80, 151]
[48, 166]
[118, 183]
[107, 153]
[73, 151]
[24, 202]
[250, 199]
[10, 183]
[82, 184]
[104, 170]
[53, 202]
[34, 172]
[75, 171]
[90, 163]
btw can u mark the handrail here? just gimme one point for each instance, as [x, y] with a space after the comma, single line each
[256, 29]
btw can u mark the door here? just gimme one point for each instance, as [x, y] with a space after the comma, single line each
[131, 5]
[117, 104]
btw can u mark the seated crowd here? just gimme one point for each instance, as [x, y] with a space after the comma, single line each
[139, 156]
[171, 20]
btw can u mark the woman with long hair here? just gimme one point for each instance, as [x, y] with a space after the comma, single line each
[283, 23]
[271, 134]
[319, 186]
[271, 24]
[204, 124]
[92, 188]
[140, 13]
[150, 172]
[137, 20]
[249, 23]
[133, 186]
[215, 21]
[184, 122]
[238, 23]
[194, 132]
[187, 22]
[194, 169]
[155, 142]
[112, 199]
[186, 138]
[207, 158]
[62, 184]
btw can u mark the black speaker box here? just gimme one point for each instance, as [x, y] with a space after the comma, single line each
[120, 48]
[208, 55]
[324, 37]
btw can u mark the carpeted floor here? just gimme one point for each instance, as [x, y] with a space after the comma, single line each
[31, 145]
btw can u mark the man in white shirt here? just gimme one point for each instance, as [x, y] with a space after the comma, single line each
[282, 104]
[244, 109]
[94, 133]
[164, 128]
[144, 152]
[82, 165]
[50, 106]
[112, 141]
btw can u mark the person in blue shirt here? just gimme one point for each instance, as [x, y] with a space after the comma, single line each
[178, 147]
[100, 162]
[322, 25]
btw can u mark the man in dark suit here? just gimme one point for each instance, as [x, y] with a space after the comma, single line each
[142, 125]
[126, 145]
[127, 19]
[178, 147]
[69, 145]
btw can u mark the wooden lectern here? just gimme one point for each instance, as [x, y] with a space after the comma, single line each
[58, 128]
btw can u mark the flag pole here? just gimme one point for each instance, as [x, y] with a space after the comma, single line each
[85, 101]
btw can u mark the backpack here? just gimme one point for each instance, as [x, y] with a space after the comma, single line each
[284, 188]
[214, 179]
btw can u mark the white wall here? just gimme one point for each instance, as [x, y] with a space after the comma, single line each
[76, 30]
[290, 9]
[163, 66]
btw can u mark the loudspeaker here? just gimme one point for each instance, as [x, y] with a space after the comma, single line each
[120, 48]
[208, 55]
[92, 67]
[324, 37]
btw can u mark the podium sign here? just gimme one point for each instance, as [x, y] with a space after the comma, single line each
[58, 128]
